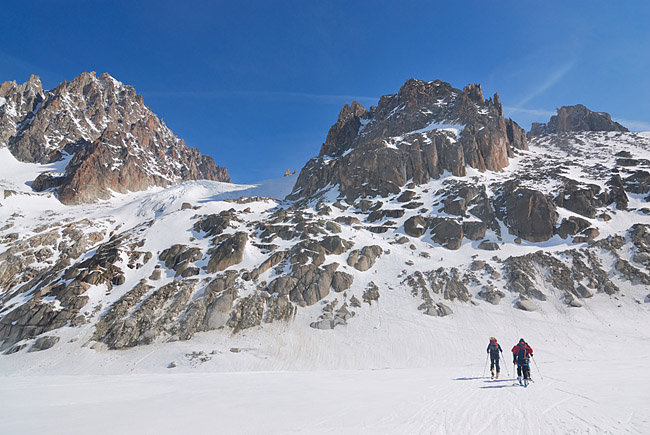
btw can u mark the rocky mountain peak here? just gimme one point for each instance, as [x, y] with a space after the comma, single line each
[576, 118]
[425, 129]
[125, 146]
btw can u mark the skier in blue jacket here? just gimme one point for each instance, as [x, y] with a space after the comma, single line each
[494, 349]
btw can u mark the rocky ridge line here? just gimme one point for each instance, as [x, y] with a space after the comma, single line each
[114, 142]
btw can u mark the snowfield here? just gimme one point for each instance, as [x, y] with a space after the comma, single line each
[403, 376]
[390, 370]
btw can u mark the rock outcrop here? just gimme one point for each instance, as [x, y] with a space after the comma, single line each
[529, 214]
[576, 118]
[425, 129]
[112, 140]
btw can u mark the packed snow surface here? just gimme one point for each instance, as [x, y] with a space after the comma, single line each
[590, 377]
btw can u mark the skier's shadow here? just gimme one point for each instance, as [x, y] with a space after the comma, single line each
[489, 381]
[510, 384]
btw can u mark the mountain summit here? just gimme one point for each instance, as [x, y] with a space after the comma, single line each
[574, 119]
[425, 129]
[102, 130]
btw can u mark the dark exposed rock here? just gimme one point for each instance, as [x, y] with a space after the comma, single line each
[482, 208]
[36, 317]
[364, 259]
[415, 226]
[330, 320]
[334, 245]
[406, 196]
[306, 251]
[228, 253]
[631, 273]
[591, 233]
[477, 265]
[371, 293]
[312, 283]
[148, 322]
[419, 285]
[44, 343]
[522, 273]
[379, 151]
[255, 309]
[492, 295]
[341, 281]
[474, 230]
[215, 224]
[270, 262]
[155, 275]
[382, 214]
[179, 257]
[582, 201]
[447, 232]
[519, 273]
[529, 214]
[576, 118]
[456, 207]
[348, 220]
[488, 246]
[448, 284]
[640, 236]
[638, 182]
[282, 285]
[116, 141]
[526, 304]
[435, 310]
[333, 227]
[572, 226]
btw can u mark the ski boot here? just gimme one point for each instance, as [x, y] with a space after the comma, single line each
[492, 374]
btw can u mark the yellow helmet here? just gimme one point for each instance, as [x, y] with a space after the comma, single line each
[492, 339]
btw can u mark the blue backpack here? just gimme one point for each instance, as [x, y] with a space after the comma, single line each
[522, 356]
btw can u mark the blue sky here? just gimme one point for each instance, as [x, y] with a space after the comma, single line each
[257, 84]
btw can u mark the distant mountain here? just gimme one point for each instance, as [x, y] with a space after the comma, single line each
[101, 127]
[576, 118]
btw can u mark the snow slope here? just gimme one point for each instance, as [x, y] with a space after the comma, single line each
[590, 382]
[391, 369]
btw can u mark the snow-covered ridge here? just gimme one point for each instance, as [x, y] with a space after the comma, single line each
[452, 131]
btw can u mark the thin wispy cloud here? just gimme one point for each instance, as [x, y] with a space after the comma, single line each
[327, 98]
[550, 81]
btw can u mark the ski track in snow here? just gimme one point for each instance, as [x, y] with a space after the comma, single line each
[408, 401]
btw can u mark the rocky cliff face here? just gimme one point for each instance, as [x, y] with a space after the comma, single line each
[576, 118]
[425, 129]
[112, 139]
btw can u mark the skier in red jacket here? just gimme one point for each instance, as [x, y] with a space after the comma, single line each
[521, 354]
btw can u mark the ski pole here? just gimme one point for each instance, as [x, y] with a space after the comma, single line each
[540, 373]
[485, 366]
[505, 365]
